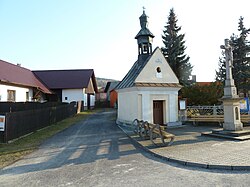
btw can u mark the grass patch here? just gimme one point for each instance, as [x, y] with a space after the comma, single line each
[11, 152]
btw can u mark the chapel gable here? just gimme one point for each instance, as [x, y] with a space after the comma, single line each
[157, 70]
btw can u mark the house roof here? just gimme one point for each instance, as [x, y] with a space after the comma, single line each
[131, 76]
[17, 75]
[67, 79]
[129, 79]
[207, 83]
[144, 32]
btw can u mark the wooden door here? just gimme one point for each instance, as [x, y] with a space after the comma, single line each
[158, 112]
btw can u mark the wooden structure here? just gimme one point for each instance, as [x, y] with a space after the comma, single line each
[148, 130]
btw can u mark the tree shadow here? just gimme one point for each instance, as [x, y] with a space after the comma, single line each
[86, 142]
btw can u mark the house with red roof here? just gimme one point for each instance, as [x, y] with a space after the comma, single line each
[18, 84]
[71, 85]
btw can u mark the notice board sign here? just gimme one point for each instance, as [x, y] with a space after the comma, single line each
[182, 104]
[2, 122]
[244, 105]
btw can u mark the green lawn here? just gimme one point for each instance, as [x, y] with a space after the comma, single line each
[11, 152]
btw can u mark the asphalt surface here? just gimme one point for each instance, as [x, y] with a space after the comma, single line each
[95, 152]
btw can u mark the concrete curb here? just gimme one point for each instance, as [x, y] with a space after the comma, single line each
[187, 163]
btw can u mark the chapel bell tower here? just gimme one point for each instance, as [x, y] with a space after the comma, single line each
[144, 39]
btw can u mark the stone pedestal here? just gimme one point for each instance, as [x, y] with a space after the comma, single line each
[232, 114]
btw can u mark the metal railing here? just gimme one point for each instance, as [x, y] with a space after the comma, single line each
[206, 110]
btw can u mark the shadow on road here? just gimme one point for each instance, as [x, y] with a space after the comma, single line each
[98, 137]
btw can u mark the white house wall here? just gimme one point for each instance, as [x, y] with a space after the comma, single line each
[138, 104]
[149, 73]
[69, 95]
[77, 95]
[85, 96]
[129, 110]
[92, 100]
[173, 106]
[20, 93]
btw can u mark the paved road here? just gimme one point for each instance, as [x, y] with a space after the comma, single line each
[96, 152]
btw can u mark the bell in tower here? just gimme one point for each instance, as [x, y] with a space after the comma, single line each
[144, 39]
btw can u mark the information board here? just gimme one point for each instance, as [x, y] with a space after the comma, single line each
[2, 122]
[244, 105]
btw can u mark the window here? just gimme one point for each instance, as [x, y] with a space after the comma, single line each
[145, 49]
[158, 72]
[11, 95]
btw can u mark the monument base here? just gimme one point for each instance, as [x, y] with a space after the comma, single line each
[233, 126]
[233, 135]
[232, 114]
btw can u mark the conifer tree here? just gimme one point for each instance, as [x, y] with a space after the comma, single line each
[174, 49]
[221, 73]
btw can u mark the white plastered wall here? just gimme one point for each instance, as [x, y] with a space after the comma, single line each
[137, 103]
[77, 95]
[20, 93]
[69, 95]
[127, 106]
[149, 73]
[169, 96]
[92, 100]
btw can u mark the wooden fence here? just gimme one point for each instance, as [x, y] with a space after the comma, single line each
[21, 106]
[20, 123]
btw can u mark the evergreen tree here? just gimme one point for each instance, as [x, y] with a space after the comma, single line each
[221, 73]
[174, 49]
[198, 94]
[241, 60]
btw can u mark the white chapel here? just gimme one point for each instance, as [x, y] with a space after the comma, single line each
[149, 91]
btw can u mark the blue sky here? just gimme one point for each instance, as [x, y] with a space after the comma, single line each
[99, 34]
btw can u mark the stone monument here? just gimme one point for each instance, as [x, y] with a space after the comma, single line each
[231, 101]
[232, 126]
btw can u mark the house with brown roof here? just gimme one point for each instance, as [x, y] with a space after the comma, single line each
[71, 85]
[149, 91]
[18, 84]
